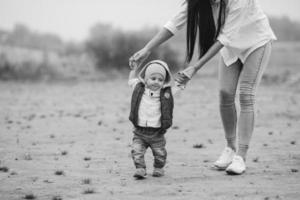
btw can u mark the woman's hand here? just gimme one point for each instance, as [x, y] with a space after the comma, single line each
[189, 72]
[186, 75]
[138, 58]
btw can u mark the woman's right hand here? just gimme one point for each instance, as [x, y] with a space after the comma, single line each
[138, 58]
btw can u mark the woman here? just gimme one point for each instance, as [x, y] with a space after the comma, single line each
[241, 32]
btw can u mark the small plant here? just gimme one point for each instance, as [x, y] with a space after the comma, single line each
[4, 169]
[27, 156]
[30, 196]
[198, 146]
[13, 173]
[270, 133]
[87, 158]
[89, 191]
[86, 181]
[294, 170]
[56, 198]
[59, 172]
[64, 153]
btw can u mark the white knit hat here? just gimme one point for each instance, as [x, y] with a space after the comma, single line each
[155, 68]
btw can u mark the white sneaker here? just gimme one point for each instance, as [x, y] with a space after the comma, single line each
[237, 166]
[225, 159]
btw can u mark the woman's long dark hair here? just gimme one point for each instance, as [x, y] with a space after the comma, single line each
[200, 16]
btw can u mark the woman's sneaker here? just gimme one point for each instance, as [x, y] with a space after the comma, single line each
[237, 166]
[158, 172]
[140, 173]
[225, 159]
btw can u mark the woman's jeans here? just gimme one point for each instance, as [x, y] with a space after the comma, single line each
[247, 76]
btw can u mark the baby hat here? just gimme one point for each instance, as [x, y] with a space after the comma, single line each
[155, 68]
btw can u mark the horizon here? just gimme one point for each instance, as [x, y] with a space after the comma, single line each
[52, 16]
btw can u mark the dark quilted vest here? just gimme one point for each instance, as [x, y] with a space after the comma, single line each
[167, 105]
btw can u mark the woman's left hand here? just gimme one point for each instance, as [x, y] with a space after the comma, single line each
[185, 75]
[189, 72]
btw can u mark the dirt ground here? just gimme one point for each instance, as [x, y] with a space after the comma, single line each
[72, 141]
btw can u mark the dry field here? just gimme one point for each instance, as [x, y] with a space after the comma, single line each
[71, 140]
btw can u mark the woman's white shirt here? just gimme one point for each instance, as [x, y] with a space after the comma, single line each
[246, 28]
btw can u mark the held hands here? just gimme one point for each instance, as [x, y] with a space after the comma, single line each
[138, 58]
[185, 75]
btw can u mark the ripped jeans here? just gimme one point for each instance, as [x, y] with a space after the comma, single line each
[148, 137]
[247, 76]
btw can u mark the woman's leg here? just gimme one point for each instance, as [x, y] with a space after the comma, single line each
[228, 81]
[250, 77]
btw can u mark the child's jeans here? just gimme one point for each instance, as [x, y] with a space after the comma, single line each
[149, 137]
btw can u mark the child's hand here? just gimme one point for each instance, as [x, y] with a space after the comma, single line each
[133, 65]
[138, 58]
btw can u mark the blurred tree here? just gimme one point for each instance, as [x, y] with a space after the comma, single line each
[22, 36]
[285, 29]
[111, 47]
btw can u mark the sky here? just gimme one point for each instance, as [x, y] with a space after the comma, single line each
[72, 19]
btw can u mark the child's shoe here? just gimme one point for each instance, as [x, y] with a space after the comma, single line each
[237, 166]
[158, 172]
[225, 159]
[140, 173]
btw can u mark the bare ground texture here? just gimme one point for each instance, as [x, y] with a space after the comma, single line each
[72, 141]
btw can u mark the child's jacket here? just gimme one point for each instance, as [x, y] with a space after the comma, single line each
[167, 105]
[165, 97]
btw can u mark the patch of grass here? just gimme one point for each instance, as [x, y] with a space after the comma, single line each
[27, 156]
[29, 196]
[4, 169]
[86, 181]
[59, 172]
[87, 158]
[63, 153]
[13, 173]
[56, 198]
[294, 170]
[198, 146]
[89, 191]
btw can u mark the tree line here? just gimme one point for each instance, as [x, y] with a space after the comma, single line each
[111, 47]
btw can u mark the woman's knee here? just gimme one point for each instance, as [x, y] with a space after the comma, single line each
[247, 101]
[226, 97]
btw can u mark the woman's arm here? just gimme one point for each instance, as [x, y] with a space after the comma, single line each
[175, 24]
[162, 36]
[139, 57]
[190, 71]
[212, 51]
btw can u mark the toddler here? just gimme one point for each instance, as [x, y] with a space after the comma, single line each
[151, 114]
